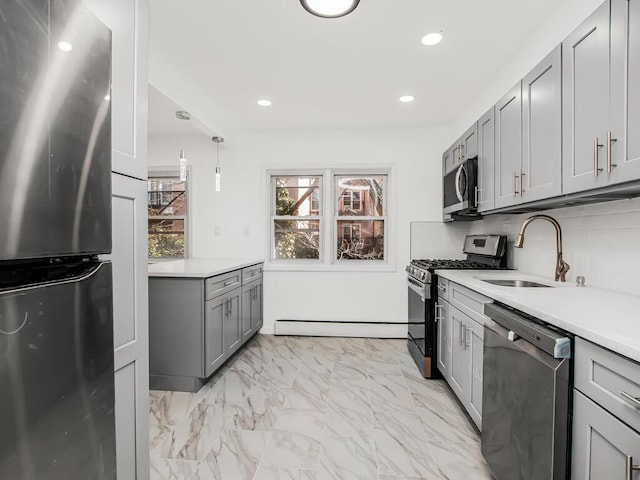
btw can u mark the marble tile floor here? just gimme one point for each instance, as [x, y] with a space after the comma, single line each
[311, 408]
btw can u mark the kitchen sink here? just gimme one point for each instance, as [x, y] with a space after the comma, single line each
[515, 283]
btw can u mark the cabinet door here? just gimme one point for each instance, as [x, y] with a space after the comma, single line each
[508, 148]
[585, 98]
[256, 308]
[214, 321]
[231, 330]
[444, 338]
[448, 161]
[460, 356]
[486, 160]
[247, 310]
[475, 339]
[625, 90]
[542, 129]
[469, 143]
[601, 443]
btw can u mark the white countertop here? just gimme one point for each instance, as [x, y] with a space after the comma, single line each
[604, 317]
[199, 267]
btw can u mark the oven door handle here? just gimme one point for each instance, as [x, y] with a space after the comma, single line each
[417, 289]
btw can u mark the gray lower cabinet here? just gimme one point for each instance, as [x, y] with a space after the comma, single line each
[486, 160]
[602, 444]
[606, 414]
[196, 324]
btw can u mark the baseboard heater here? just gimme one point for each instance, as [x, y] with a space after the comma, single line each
[337, 328]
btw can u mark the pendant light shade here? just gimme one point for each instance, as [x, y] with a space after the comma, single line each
[183, 166]
[218, 141]
[330, 8]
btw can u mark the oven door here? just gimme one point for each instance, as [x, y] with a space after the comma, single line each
[417, 315]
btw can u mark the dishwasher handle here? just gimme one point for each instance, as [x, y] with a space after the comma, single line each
[557, 344]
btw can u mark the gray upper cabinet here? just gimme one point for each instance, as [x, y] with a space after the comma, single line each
[508, 148]
[541, 174]
[585, 59]
[625, 90]
[486, 160]
[448, 160]
[469, 143]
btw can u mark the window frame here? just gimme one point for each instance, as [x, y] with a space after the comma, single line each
[328, 260]
[290, 218]
[163, 172]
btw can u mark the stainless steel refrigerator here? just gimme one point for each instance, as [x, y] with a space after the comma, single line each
[57, 417]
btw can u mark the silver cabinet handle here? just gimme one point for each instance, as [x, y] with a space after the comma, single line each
[631, 400]
[442, 288]
[466, 345]
[596, 147]
[630, 468]
[515, 178]
[230, 282]
[522, 174]
[439, 309]
[230, 307]
[461, 334]
[462, 152]
[477, 195]
[610, 140]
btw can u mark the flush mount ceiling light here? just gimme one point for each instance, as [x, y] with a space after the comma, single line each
[407, 98]
[330, 8]
[264, 103]
[64, 46]
[182, 115]
[432, 38]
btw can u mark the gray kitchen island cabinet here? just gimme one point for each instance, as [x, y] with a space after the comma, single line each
[196, 320]
[251, 300]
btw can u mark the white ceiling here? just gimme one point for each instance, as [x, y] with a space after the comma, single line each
[163, 120]
[221, 56]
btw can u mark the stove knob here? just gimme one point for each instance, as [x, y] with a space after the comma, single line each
[422, 275]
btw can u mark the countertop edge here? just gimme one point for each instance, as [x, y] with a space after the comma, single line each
[199, 267]
[620, 342]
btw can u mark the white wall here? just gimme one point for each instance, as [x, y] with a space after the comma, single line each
[567, 15]
[233, 223]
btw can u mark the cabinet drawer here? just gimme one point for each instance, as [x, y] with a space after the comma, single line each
[220, 284]
[443, 289]
[607, 378]
[468, 301]
[251, 273]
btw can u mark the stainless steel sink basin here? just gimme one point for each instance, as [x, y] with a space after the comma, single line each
[515, 283]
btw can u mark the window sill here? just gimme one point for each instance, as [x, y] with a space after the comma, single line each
[333, 268]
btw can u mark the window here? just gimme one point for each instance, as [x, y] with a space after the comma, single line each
[303, 229]
[167, 216]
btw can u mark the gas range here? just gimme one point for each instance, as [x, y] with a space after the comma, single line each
[422, 270]
[483, 252]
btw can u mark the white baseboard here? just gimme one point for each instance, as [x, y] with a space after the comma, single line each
[319, 328]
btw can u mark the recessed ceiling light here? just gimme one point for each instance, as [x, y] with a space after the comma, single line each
[183, 115]
[330, 8]
[264, 103]
[407, 98]
[65, 46]
[432, 38]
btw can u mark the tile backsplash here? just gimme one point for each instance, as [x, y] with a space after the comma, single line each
[601, 242]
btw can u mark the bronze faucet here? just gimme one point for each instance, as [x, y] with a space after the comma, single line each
[562, 267]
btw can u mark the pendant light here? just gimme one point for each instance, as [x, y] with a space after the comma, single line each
[330, 8]
[218, 141]
[182, 162]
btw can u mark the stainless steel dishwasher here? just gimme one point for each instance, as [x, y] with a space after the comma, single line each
[528, 376]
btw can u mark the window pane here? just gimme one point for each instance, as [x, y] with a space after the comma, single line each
[166, 196]
[166, 238]
[297, 239]
[297, 196]
[360, 196]
[360, 240]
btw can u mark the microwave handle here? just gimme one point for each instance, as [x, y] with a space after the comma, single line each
[458, 192]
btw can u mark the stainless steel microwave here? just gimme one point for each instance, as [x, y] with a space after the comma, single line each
[459, 191]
